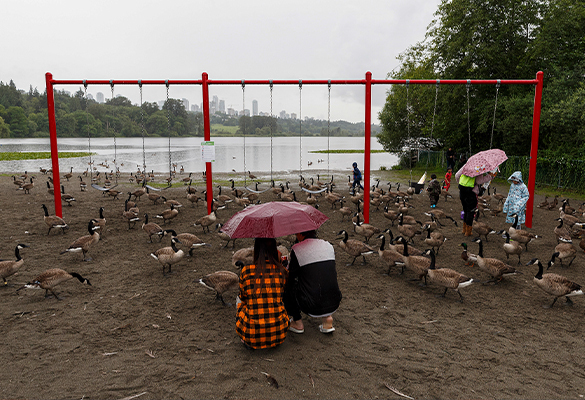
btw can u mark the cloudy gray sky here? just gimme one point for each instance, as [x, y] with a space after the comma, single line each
[180, 39]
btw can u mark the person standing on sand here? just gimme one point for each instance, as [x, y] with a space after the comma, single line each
[312, 285]
[357, 177]
[434, 190]
[261, 319]
[451, 158]
[468, 191]
[517, 198]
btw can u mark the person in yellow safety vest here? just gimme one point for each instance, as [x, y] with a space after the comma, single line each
[468, 191]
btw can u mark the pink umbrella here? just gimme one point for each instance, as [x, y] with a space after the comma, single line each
[274, 219]
[483, 162]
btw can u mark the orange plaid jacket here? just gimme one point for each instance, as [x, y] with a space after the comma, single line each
[261, 319]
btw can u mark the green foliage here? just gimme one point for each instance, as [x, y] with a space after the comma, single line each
[41, 155]
[488, 40]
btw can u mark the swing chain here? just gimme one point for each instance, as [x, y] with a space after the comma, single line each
[328, 121]
[169, 130]
[495, 107]
[142, 130]
[244, 127]
[408, 124]
[300, 126]
[88, 132]
[271, 129]
[468, 85]
[114, 133]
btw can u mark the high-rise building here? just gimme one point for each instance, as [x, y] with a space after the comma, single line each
[245, 112]
[216, 102]
[100, 97]
[194, 108]
[185, 104]
[231, 111]
[283, 114]
[293, 116]
[222, 106]
[254, 107]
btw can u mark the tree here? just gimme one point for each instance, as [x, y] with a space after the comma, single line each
[4, 129]
[17, 121]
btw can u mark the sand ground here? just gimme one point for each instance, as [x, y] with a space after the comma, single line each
[135, 332]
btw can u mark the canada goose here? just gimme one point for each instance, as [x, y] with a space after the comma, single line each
[399, 192]
[169, 255]
[333, 198]
[408, 231]
[434, 239]
[562, 232]
[236, 192]
[391, 214]
[50, 189]
[27, 187]
[53, 221]
[468, 257]
[288, 196]
[17, 182]
[568, 219]
[498, 197]
[543, 204]
[85, 242]
[193, 198]
[446, 277]
[66, 197]
[358, 215]
[553, 204]
[481, 228]
[554, 284]
[251, 176]
[223, 198]
[398, 247]
[224, 236]
[130, 216]
[440, 214]
[9, 267]
[564, 251]
[112, 193]
[191, 189]
[51, 278]
[206, 221]
[513, 247]
[519, 235]
[566, 207]
[221, 282]
[354, 248]
[168, 214]
[82, 184]
[365, 230]
[417, 264]
[243, 256]
[492, 266]
[138, 193]
[390, 256]
[313, 200]
[151, 229]
[69, 175]
[496, 210]
[344, 211]
[242, 201]
[101, 221]
[409, 219]
[155, 197]
[187, 179]
[188, 240]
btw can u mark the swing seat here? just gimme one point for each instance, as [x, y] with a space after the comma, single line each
[418, 187]
[156, 189]
[103, 189]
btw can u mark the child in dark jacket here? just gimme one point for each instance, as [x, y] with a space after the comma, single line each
[434, 190]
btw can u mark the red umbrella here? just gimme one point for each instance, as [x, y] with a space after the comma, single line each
[483, 162]
[274, 219]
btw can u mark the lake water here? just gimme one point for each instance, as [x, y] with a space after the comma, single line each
[229, 154]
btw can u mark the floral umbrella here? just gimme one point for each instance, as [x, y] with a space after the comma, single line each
[483, 162]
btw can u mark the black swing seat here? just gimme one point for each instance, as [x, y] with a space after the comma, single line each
[103, 189]
[156, 189]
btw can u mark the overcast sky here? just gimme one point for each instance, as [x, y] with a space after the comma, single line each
[227, 39]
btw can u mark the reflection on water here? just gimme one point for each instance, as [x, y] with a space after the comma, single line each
[234, 153]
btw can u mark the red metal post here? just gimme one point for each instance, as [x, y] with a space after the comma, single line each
[207, 134]
[54, 151]
[534, 147]
[367, 147]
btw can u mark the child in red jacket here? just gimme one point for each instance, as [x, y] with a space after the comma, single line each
[447, 182]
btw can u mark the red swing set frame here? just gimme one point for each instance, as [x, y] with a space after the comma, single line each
[205, 82]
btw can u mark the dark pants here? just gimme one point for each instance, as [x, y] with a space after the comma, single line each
[468, 202]
[434, 198]
[357, 182]
[290, 302]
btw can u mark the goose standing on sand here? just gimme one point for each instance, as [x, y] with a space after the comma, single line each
[389, 256]
[54, 221]
[168, 214]
[220, 282]
[206, 221]
[188, 240]
[101, 222]
[417, 264]
[492, 266]
[224, 236]
[85, 242]
[27, 186]
[556, 285]
[51, 278]
[169, 255]
[151, 229]
[446, 277]
[519, 235]
[354, 248]
[514, 247]
[66, 197]
[9, 267]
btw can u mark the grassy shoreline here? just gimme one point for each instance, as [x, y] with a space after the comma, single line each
[39, 155]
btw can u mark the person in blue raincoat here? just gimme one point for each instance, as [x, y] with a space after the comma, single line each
[517, 198]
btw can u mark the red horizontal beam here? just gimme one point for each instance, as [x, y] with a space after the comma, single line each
[300, 82]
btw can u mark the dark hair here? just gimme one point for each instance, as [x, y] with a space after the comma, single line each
[265, 252]
[312, 234]
[354, 164]
[433, 176]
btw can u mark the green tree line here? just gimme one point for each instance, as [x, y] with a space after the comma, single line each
[492, 39]
[25, 115]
